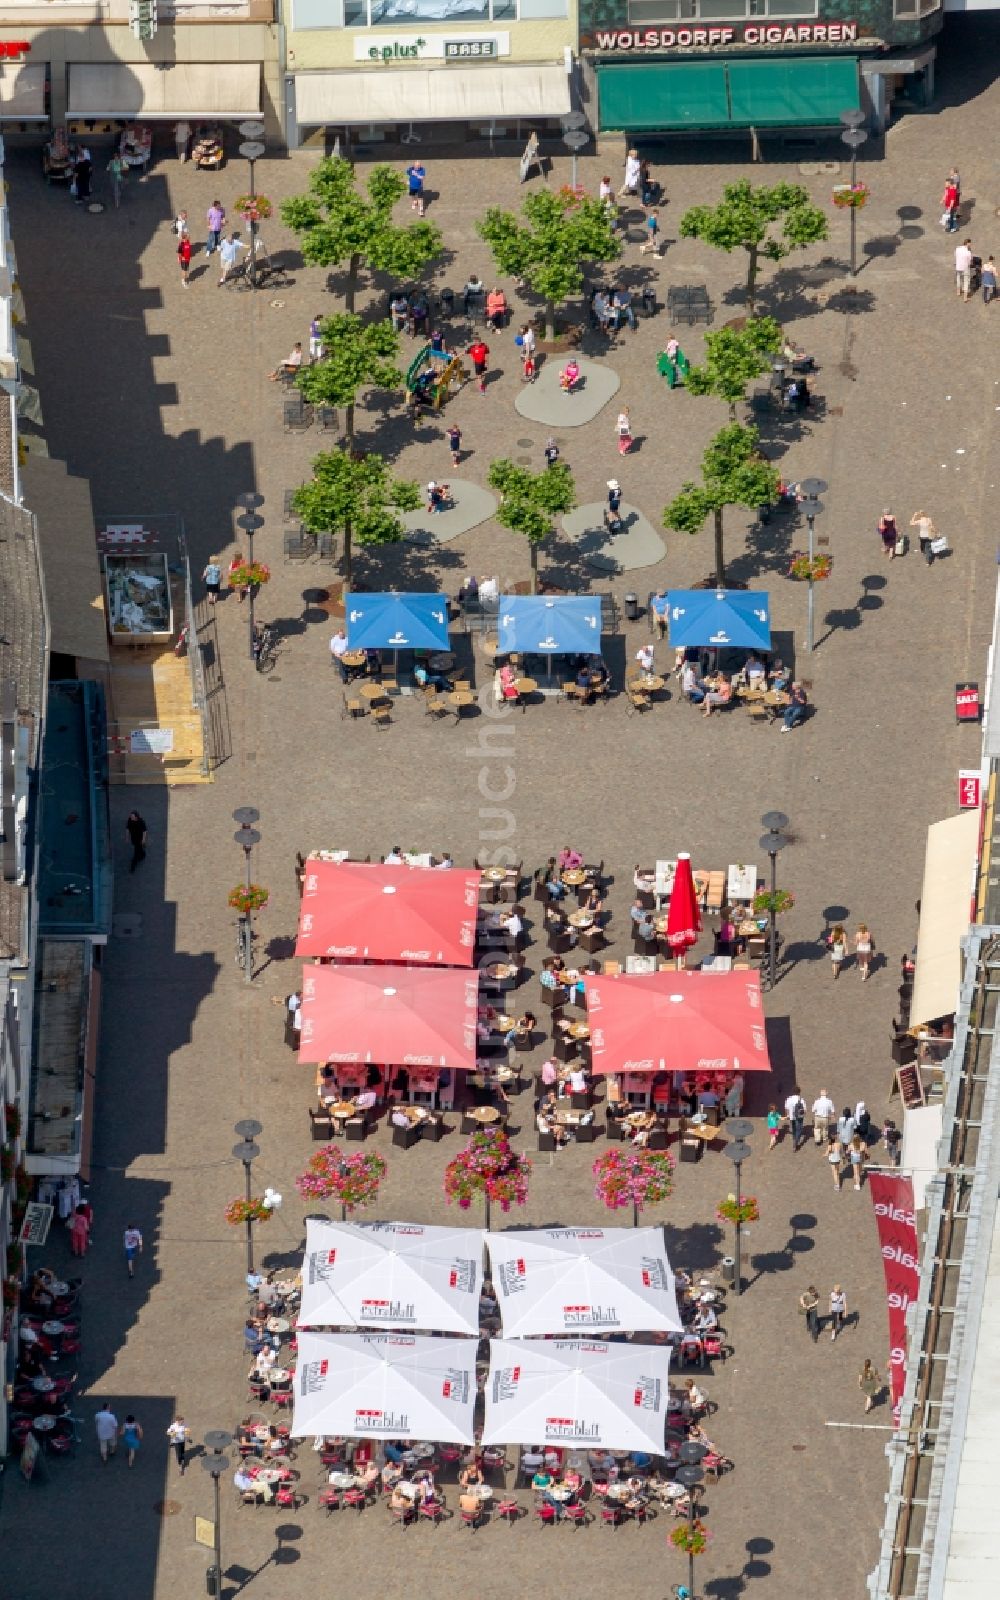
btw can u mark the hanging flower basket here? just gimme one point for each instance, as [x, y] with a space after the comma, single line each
[815, 567]
[253, 207]
[637, 1178]
[766, 902]
[245, 900]
[850, 197]
[11, 1293]
[250, 575]
[489, 1168]
[12, 1119]
[353, 1180]
[731, 1210]
[239, 1211]
[692, 1538]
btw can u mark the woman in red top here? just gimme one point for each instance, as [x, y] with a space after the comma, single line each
[949, 206]
[184, 256]
[479, 353]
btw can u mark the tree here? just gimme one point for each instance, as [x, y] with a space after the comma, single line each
[353, 1180]
[354, 496]
[489, 1168]
[359, 355]
[765, 222]
[530, 500]
[337, 224]
[733, 473]
[636, 1178]
[548, 249]
[733, 358]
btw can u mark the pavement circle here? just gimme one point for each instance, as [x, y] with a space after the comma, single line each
[470, 506]
[639, 545]
[544, 401]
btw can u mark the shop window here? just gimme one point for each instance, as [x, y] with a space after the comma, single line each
[654, 10]
[317, 13]
[915, 8]
[791, 8]
[531, 9]
[721, 10]
[413, 13]
[355, 14]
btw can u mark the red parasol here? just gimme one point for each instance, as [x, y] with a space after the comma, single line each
[677, 1022]
[683, 915]
[395, 1016]
[376, 913]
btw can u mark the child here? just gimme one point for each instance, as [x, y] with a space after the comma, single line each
[773, 1125]
[528, 367]
[551, 452]
[569, 376]
[455, 443]
[989, 280]
[651, 241]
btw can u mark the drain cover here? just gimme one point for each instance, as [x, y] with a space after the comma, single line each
[523, 461]
[525, 444]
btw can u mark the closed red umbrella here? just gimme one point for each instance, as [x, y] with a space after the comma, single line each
[683, 915]
[677, 1022]
[377, 913]
[395, 1016]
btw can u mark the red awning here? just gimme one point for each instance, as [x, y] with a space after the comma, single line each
[677, 1022]
[377, 913]
[396, 1016]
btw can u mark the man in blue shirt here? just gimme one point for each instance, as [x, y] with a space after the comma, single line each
[658, 606]
[415, 175]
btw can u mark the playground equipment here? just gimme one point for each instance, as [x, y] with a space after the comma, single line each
[432, 378]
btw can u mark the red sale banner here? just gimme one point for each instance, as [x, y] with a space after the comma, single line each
[897, 1234]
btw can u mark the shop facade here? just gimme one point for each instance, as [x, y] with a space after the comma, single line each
[83, 66]
[426, 72]
[715, 66]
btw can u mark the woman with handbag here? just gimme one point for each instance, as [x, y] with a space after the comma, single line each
[888, 533]
[931, 542]
[837, 944]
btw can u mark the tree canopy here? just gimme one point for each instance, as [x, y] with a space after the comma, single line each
[769, 222]
[358, 355]
[530, 501]
[337, 224]
[547, 249]
[355, 496]
[733, 358]
[733, 473]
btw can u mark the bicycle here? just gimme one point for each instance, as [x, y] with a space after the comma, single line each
[266, 648]
[245, 938]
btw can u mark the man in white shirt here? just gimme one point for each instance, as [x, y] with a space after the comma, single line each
[823, 1112]
[106, 1424]
[963, 269]
[513, 925]
[795, 1111]
[229, 255]
[338, 650]
[444, 863]
[578, 1081]
[489, 589]
[394, 858]
[367, 1100]
[291, 364]
[644, 656]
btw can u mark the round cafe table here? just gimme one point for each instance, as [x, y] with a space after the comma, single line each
[560, 1491]
[441, 662]
[412, 1113]
[491, 645]
[484, 1114]
[618, 1491]
[372, 691]
[342, 1480]
[573, 877]
[353, 658]
[581, 919]
[270, 1475]
[54, 1329]
[500, 969]
[526, 686]
[43, 1385]
[341, 1108]
[651, 682]
[460, 698]
[671, 1491]
[579, 1030]
[494, 874]
[278, 1376]
[482, 1491]
[43, 1424]
[641, 1119]
[28, 1336]
[277, 1324]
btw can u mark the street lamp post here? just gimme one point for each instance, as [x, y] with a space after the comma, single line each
[574, 137]
[811, 489]
[738, 1151]
[690, 1474]
[854, 136]
[251, 522]
[247, 1152]
[246, 837]
[216, 1463]
[771, 842]
[251, 150]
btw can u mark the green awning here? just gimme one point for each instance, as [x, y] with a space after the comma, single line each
[633, 99]
[793, 94]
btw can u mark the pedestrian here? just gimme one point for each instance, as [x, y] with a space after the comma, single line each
[229, 255]
[415, 176]
[652, 240]
[79, 1231]
[869, 1383]
[184, 256]
[480, 354]
[862, 1123]
[614, 497]
[823, 1113]
[809, 1307]
[455, 443]
[117, 169]
[180, 224]
[182, 138]
[212, 579]
[927, 535]
[316, 351]
[136, 832]
[527, 340]
[838, 1309]
[551, 452]
[623, 428]
[837, 946]
[178, 1434]
[963, 269]
[132, 1245]
[847, 1126]
[106, 1424]
[795, 1111]
[633, 173]
[131, 1437]
[82, 174]
[950, 202]
[215, 219]
[86, 1210]
[527, 367]
[605, 191]
[892, 1139]
[857, 1156]
[773, 1126]
[989, 276]
[863, 950]
[835, 1156]
[888, 532]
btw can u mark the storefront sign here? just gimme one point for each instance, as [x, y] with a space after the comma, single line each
[967, 703]
[892, 1195]
[723, 38]
[10, 49]
[970, 788]
[36, 1224]
[406, 47]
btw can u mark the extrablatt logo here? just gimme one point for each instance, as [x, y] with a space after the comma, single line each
[331, 1256]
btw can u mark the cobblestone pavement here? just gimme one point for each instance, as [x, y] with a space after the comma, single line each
[158, 394]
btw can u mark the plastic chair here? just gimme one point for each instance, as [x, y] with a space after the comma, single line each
[356, 1497]
[508, 1511]
[286, 1496]
[329, 1499]
[576, 1515]
[611, 1516]
[432, 1510]
[546, 1514]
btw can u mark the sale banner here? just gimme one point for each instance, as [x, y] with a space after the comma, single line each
[892, 1195]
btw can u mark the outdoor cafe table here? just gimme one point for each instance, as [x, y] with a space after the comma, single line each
[573, 877]
[484, 1114]
[413, 1114]
[43, 1424]
[371, 691]
[581, 919]
[279, 1376]
[342, 1480]
[526, 686]
[59, 1290]
[43, 1385]
[579, 1030]
[341, 1108]
[501, 1023]
[560, 1491]
[641, 1119]
[268, 1475]
[460, 699]
[441, 662]
[491, 645]
[650, 682]
[621, 1492]
[482, 1491]
[742, 882]
[353, 658]
[500, 969]
[54, 1329]
[495, 874]
[277, 1324]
